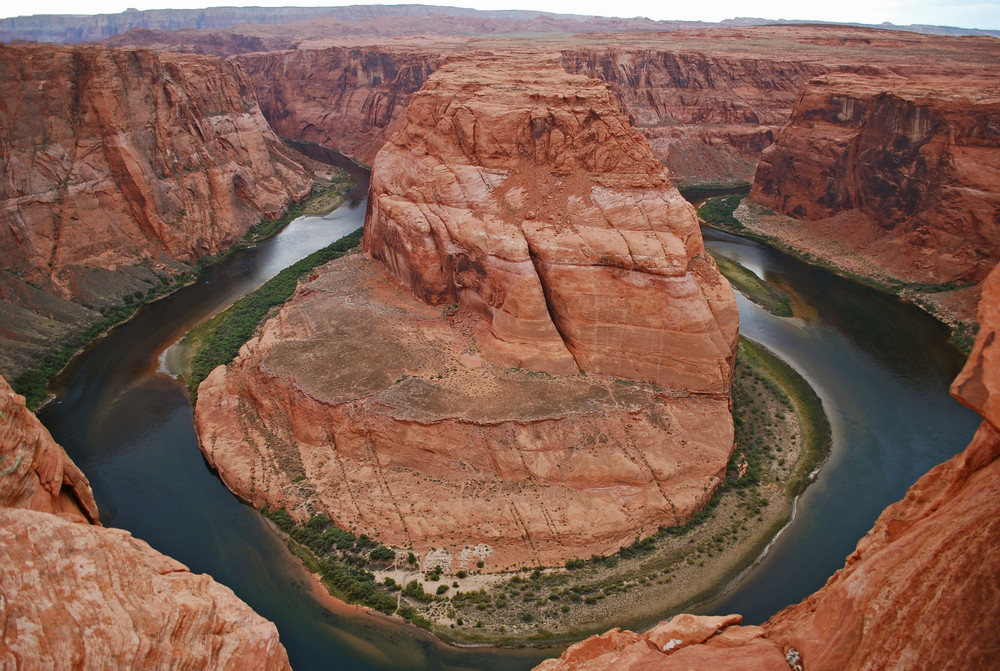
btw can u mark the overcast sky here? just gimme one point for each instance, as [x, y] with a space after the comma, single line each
[962, 13]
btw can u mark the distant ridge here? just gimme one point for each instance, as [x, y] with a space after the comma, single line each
[62, 28]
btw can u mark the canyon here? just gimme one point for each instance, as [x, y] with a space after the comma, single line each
[74, 592]
[523, 248]
[122, 168]
[924, 574]
[493, 210]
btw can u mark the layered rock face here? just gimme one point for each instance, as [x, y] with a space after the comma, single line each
[351, 99]
[902, 171]
[918, 592]
[706, 115]
[85, 596]
[520, 192]
[35, 471]
[535, 237]
[119, 163]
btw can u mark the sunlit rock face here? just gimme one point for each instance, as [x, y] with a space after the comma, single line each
[76, 594]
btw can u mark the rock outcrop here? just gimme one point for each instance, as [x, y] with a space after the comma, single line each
[35, 471]
[918, 592]
[85, 596]
[902, 171]
[119, 164]
[535, 237]
[520, 192]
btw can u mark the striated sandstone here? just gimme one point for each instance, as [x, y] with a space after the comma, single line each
[919, 591]
[520, 192]
[35, 471]
[118, 164]
[358, 401]
[899, 170]
[83, 596]
[520, 232]
[89, 597]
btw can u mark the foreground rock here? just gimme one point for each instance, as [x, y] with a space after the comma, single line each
[900, 171]
[918, 592]
[83, 596]
[452, 412]
[118, 165]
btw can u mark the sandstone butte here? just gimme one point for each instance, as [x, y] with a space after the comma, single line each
[455, 388]
[118, 164]
[900, 170]
[76, 594]
[919, 592]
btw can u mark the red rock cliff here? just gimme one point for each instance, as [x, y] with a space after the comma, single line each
[903, 170]
[76, 595]
[919, 592]
[124, 161]
[351, 99]
[520, 192]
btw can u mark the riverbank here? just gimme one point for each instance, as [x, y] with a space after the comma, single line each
[782, 437]
[953, 305]
[32, 383]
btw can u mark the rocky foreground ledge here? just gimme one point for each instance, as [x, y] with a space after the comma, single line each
[919, 592]
[532, 364]
[74, 594]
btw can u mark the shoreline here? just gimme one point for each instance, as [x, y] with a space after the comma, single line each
[33, 381]
[955, 307]
[670, 572]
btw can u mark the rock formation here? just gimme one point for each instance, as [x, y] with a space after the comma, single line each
[35, 471]
[900, 170]
[708, 101]
[520, 192]
[86, 596]
[542, 239]
[118, 164]
[918, 592]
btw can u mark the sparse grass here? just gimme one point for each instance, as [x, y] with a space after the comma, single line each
[753, 287]
[218, 340]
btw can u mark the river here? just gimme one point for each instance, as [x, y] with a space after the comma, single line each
[881, 368]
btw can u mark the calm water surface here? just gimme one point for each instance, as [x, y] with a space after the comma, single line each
[882, 370]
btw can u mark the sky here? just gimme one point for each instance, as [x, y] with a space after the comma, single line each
[962, 13]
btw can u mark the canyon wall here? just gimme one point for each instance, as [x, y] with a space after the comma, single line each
[80, 595]
[901, 170]
[918, 592]
[550, 375]
[118, 165]
[706, 115]
[349, 99]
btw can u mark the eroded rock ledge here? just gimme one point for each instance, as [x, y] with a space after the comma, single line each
[898, 171]
[552, 377]
[77, 595]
